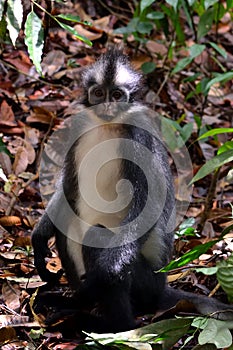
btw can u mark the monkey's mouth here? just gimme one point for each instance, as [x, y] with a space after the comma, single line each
[107, 112]
[106, 117]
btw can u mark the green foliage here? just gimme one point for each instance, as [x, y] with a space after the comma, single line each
[3, 148]
[148, 67]
[224, 154]
[168, 17]
[195, 252]
[175, 134]
[186, 228]
[213, 332]
[34, 33]
[145, 17]
[194, 51]
[189, 256]
[167, 332]
[34, 42]
[225, 276]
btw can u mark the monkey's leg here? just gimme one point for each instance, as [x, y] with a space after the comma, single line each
[105, 285]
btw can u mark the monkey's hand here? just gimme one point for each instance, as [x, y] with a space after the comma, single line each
[40, 236]
[104, 257]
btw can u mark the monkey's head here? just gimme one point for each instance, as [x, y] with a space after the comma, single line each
[111, 79]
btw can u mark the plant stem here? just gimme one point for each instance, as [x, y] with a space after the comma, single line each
[209, 200]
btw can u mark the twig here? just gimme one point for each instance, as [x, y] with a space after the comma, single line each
[16, 192]
[216, 288]
[209, 200]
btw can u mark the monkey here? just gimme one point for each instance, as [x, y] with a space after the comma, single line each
[113, 252]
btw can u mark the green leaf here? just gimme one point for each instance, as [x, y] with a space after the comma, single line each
[220, 50]
[3, 28]
[214, 132]
[14, 17]
[220, 78]
[228, 145]
[34, 39]
[190, 256]
[1, 8]
[169, 331]
[225, 276]
[186, 229]
[187, 223]
[75, 33]
[205, 23]
[229, 4]
[73, 18]
[144, 4]
[186, 131]
[216, 333]
[3, 148]
[144, 27]
[173, 3]
[208, 3]
[191, 2]
[213, 164]
[196, 49]
[148, 67]
[207, 270]
[184, 62]
[155, 15]
[130, 28]
[187, 14]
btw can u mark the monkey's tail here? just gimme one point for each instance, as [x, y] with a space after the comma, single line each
[202, 304]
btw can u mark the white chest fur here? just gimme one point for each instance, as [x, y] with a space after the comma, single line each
[100, 199]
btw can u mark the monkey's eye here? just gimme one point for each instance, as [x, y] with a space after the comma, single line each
[99, 92]
[117, 95]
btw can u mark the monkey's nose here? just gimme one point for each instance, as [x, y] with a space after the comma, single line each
[106, 112]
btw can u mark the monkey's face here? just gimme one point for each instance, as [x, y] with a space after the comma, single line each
[106, 100]
[104, 94]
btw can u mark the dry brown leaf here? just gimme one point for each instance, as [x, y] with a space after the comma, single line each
[10, 220]
[20, 65]
[102, 23]
[156, 48]
[5, 162]
[88, 34]
[11, 295]
[7, 334]
[7, 115]
[53, 62]
[11, 256]
[54, 265]
[41, 115]
[31, 154]
[22, 241]
[176, 276]
[32, 135]
[21, 161]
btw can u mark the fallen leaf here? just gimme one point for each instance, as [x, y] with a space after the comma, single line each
[7, 115]
[10, 220]
[21, 161]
